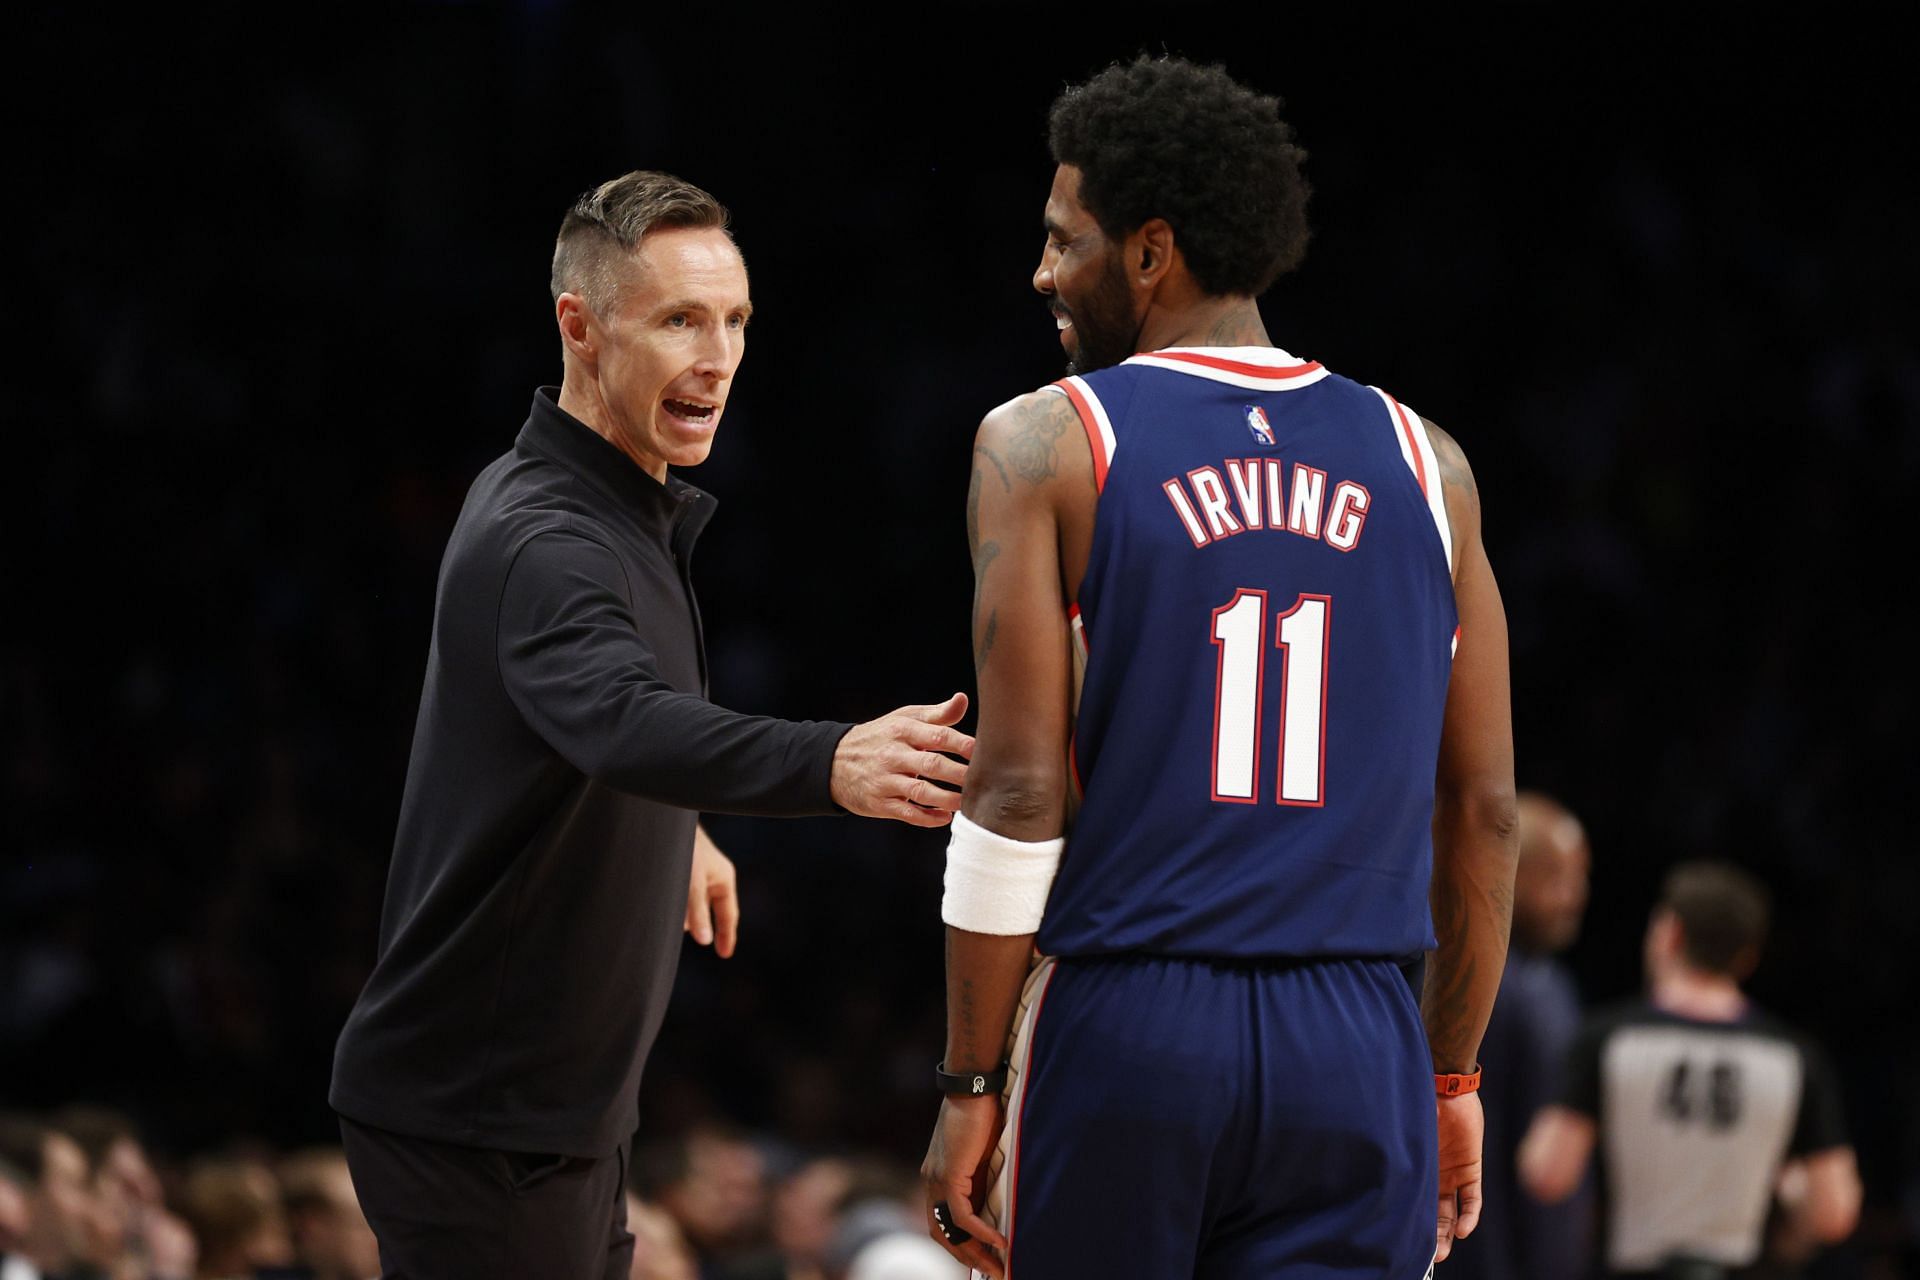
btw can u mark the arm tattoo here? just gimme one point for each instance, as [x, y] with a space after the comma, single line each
[973, 514]
[1038, 422]
[1455, 474]
[962, 1027]
[966, 1018]
[1033, 446]
[1447, 1004]
[998, 465]
[984, 554]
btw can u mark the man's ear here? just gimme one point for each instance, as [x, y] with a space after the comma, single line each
[574, 319]
[1150, 252]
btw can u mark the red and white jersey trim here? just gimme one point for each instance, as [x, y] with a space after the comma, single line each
[1099, 428]
[1415, 446]
[1254, 368]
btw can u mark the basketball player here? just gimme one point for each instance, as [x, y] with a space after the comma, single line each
[1291, 724]
[1696, 1100]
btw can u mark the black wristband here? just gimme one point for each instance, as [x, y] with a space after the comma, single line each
[973, 1084]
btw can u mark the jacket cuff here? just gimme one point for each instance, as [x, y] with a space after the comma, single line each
[821, 742]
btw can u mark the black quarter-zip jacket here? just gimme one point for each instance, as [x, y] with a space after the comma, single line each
[564, 745]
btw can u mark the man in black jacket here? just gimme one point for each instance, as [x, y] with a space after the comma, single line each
[548, 855]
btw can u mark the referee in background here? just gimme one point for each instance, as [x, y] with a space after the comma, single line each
[548, 855]
[1703, 1108]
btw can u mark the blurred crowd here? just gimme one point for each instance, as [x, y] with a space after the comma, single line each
[83, 1198]
[1673, 329]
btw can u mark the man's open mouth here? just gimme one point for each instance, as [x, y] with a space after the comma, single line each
[690, 411]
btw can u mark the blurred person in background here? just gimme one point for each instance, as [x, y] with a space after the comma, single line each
[1702, 1108]
[14, 1219]
[164, 1249]
[150, 1242]
[660, 1252]
[549, 856]
[234, 1207]
[61, 1236]
[718, 1196]
[880, 1236]
[805, 1208]
[331, 1238]
[901, 1256]
[121, 1169]
[826, 1210]
[1533, 1025]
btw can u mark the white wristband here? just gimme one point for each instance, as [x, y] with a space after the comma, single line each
[996, 885]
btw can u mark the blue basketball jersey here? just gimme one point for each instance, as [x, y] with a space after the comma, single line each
[1268, 621]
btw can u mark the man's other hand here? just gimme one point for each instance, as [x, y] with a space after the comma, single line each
[891, 767]
[1462, 1125]
[713, 897]
[955, 1172]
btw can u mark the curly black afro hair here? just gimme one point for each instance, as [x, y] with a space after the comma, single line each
[1165, 138]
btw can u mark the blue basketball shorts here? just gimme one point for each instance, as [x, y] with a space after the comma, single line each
[1218, 1120]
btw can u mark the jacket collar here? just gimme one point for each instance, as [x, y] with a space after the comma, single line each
[674, 510]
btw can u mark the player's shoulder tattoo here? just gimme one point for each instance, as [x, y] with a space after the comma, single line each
[1454, 471]
[1027, 430]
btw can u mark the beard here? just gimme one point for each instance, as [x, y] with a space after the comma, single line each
[1104, 328]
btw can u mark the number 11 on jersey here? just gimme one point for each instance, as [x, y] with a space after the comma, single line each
[1301, 635]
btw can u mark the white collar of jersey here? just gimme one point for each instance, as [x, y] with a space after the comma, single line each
[1255, 368]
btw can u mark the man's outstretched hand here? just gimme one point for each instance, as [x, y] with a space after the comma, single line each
[890, 767]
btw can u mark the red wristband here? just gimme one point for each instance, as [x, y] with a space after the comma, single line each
[1452, 1086]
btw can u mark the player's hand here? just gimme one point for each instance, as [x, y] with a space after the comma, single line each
[713, 897]
[889, 768]
[955, 1172]
[1462, 1124]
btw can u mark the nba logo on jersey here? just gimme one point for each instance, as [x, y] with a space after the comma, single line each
[1258, 424]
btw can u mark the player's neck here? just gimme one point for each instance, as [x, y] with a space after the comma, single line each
[1705, 997]
[1215, 322]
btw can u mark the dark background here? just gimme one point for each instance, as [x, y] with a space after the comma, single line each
[279, 295]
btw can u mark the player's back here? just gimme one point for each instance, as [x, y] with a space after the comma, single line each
[1268, 616]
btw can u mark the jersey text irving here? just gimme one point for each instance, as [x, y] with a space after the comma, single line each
[1255, 494]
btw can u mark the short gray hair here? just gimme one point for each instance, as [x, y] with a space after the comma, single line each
[606, 224]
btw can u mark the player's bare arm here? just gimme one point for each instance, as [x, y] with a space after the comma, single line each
[1021, 663]
[1031, 497]
[1475, 844]
[1476, 822]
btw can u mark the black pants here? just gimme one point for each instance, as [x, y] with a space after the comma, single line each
[443, 1212]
